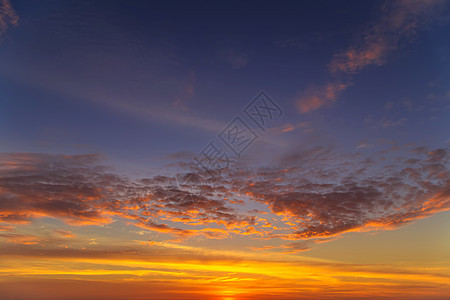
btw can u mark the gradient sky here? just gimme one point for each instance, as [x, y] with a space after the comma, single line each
[106, 107]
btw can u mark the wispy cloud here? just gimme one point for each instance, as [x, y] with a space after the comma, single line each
[399, 23]
[168, 270]
[316, 97]
[8, 16]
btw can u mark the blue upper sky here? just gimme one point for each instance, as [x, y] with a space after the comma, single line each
[140, 80]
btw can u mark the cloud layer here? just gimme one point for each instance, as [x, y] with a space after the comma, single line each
[314, 193]
[8, 16]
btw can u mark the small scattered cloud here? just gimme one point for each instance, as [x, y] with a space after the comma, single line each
[61, 186]
[316, 97]
[399, 23]
[20, 238]
[408, 104]
[289, 127]
[236, 58]
[297, 43]
[386, 123]
[8, 16]
[65, 233]
[186, 93]
[305, 198]
[389, 105]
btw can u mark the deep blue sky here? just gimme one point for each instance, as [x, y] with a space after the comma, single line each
[136, 81]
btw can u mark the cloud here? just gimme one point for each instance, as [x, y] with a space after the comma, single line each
[55, 238]
[159, 90]
[297, 43]
[36, 185]
[187, 92]
[304, 245]
[24, 239]
[385, 123]
[289, 127]
[65, 233]
[316, 97]
[363, 144]
[311, 193]
[8, 16]
[399, 23]
[389, 105]
[236, 58]
[170, 270]
[325, 201]
[80, 192]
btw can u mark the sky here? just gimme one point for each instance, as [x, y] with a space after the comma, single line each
[224, 150]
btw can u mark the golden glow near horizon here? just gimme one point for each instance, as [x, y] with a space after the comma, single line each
[210, 273]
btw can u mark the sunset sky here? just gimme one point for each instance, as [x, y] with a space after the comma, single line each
[224, 150]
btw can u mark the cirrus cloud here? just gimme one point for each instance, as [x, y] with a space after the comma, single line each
[399, 23]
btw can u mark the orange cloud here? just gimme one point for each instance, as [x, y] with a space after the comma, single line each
[65, 233]
[315, 98]
[400, 21]
[7, 16]
[24, 239]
